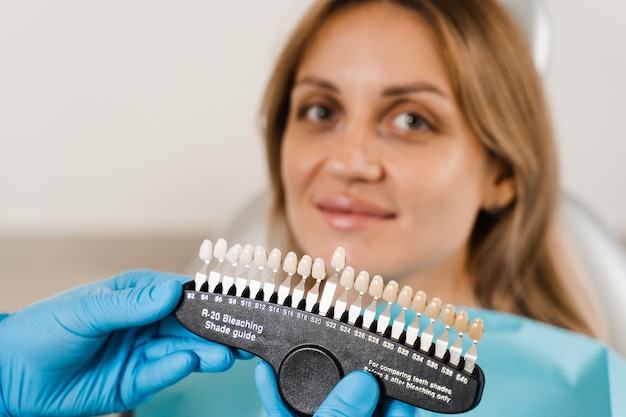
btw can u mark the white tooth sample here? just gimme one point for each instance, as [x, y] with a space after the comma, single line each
[228, 274]
[273, 263]
[390, 295]
[461, 325]
[219, 252]
[205, 254]
[290, 265]
[418, 305]
[338, 261]
[318, 272]
[206, 251]
[241, 282]
[361, 284]
[304, 270]
[475, 333]
[447, 318]
[347, 282]
[432, 311]
[404, 300]
[220, 249]
[260, 260]
[376, 289]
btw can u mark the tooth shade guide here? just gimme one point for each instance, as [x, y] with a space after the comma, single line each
[398, 329]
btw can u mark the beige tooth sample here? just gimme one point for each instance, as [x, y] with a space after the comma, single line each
[338, 261]
[290, 265]
[205, 254]
[318, 272]
[448, 317]
[304, 270]
[461, 325]
[376, 289]
[418, 305]
[390, 295]
[404, 300]
[475, 333]
[432, 311]
[361, 284]
[347, 282]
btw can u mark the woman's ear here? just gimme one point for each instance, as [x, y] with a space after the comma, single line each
[501, 189]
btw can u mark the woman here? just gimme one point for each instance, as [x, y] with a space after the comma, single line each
[415, 135]
[431, 116]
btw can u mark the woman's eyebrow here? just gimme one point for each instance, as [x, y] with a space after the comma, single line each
[317, 82]
[420, 87]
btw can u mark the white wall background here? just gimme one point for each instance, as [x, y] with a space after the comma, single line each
[139, 117]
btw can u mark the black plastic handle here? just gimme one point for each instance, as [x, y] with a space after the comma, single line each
[311, 353]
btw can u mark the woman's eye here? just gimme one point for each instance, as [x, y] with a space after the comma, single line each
[318, 113]
[410, 121]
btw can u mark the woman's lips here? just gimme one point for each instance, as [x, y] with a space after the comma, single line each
[347, 213]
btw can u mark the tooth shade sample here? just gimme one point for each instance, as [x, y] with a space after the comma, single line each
[304, 266]
[448, 316]
[319, 269]
[362, 282]
[419, 302]
[260, 256]
[461, 323]
[290, 264]
[347, 278]
[247, 254]
[476, 330]
[338, 260]
[220, 248]
[206, 251]
[233, 253]
[405, 297]
[391, 292]
[273, 260]
[434, 308]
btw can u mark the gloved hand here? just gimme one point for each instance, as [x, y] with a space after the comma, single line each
[356, 395]
[101, 348]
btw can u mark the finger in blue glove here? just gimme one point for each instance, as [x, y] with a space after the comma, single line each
[101, 348]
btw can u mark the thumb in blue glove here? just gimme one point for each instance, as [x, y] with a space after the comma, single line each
[102, 348]
[356, 395]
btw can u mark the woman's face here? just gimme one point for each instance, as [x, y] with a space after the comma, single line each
[376, 156]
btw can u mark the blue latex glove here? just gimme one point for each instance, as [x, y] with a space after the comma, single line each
[99, 349]
[356, 395]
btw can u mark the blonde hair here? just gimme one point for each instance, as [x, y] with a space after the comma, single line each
[513, 256]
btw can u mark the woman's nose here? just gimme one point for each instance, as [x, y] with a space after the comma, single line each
[354, 157]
